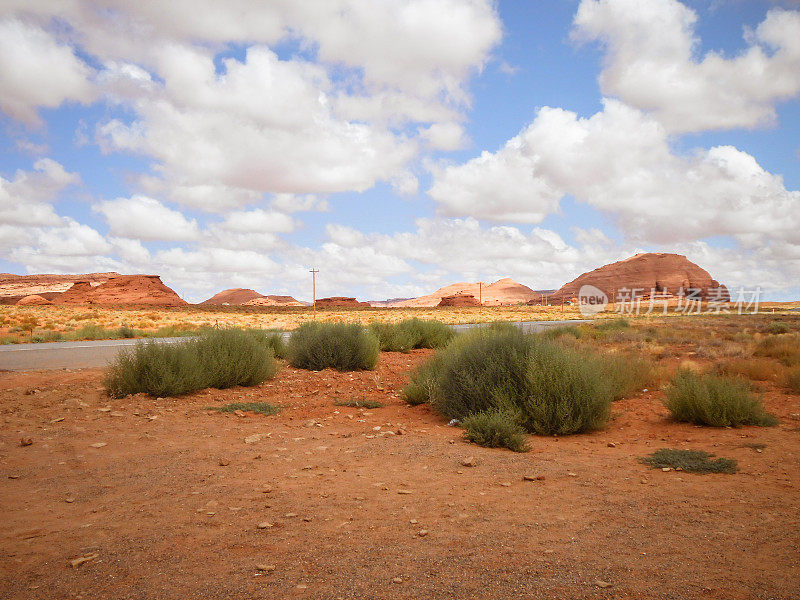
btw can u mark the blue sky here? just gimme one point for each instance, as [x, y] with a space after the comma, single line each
[399, 148]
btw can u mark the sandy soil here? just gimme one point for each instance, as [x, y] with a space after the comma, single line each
[170, 506]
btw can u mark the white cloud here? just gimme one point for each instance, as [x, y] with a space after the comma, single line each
[143, 218]
[37, 71]
[254, 221]
[650, 64]
[620, 161]
[291, 203]
[25, 200]
[445, 136]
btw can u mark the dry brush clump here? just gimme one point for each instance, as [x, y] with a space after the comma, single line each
[411, 333]
[341, 346]
[217, 358]
[537, 384]
[717, 401]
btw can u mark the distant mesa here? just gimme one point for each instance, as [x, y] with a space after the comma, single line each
[459, 300]
[33, 300]
[122, 289]
[502, 292]
[340, 302]
[248, 297]
[663, 273]
[15, 287]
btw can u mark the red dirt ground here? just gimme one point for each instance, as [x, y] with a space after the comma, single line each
[171, 504]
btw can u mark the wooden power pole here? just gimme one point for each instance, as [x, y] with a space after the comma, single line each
[314, 290]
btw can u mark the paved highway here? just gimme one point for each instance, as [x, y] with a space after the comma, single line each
[82, 355]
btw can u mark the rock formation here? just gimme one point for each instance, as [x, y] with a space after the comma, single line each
[503, 291]
[233, 296]
[273, 300]
[340, 302]
[459, 300]
[666, 274]
[15, 287]
[33, 300]
[123, 289]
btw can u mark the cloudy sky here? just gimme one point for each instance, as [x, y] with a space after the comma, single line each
[399, 145]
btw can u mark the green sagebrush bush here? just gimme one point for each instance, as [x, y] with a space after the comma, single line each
[691, 461]
[549, 387]
[495, 429]
[412, 333]
[216, 358]
[714, 400]
[345, 347]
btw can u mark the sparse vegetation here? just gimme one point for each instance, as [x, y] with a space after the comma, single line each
[344, 347]
[778, 327]
[691, 461]
[718, 401]
[411, 333]
[754, 368]
[259, 408]
[495, 429]
[217, 358]
[786, 348]
[793, 380]
[550, 387]
[360, 403]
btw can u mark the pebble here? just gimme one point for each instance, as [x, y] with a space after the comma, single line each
[404, 491]
[422, 532]
[267, 568]
[533, 477]
[252, 439]
[602, 584]
[265, 525]
[290, 515]
[77, 562]
[57, 420]
[572, 474]
[98, 444]
[117, 413]
[224, 462]
[611, 445]
[397, 580]
[506, 484]
[26, 441]
[468, 462]
[666, 469]
[69, 500]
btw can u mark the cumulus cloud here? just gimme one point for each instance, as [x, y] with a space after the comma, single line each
[651, 64]
[38, 71]
[620, 161]
[26, 199]
[143, 218]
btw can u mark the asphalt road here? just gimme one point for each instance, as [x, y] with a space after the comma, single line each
[86, 354]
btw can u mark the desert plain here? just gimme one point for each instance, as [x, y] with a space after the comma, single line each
[145, 497]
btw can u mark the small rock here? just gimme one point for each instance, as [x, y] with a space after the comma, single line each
[267, 568]
[290, 515]
[26, 441]
[454, 422]
[422, 532]
[265, 525]
[98, 444]
[533, 477]
[308, 519]
[239, 413]
[506, 484]
[117, 413]
[413, 521]
[400, 432]
[77, 562]
[602, 584]
[666, 469]
[224, 462]
[57, 420]
[104, 409]
[69, 500]
[404, 491]
[252, 439]
[301, 586]
[468, 462]
[611, 445]
[397, 580]
[572, 474]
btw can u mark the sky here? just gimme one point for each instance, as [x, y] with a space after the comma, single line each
[399, 146]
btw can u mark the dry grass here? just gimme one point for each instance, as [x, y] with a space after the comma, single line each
[754, 368]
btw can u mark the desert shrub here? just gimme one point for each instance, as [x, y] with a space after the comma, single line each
[692, 461]
[612, 324]
[755, 368]
[793, 380]
[627, 373]
[495, 429]
[345, 347]
[126, 332]
[412, 333]
[392, 337]
[91, 331]
[360, 403]
[786, 348]
[552, 388]
[221, 358]
[428, 333]
[47, 336]
[553, 333]
[271, 338]
[259, 408]
[778, 327]
[718, 401]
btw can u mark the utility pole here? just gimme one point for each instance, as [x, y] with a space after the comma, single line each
[314, 290]
[480, 293]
